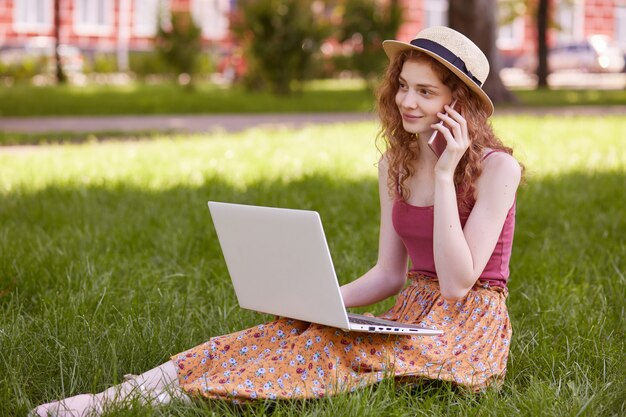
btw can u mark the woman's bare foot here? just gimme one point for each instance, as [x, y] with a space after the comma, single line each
[155, 387]
[84, 405]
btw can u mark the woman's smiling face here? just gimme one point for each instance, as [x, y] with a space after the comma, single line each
[420, 96]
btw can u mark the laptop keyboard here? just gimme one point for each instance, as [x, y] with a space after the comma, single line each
[375, 321]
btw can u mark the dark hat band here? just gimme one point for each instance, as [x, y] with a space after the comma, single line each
[446, 54]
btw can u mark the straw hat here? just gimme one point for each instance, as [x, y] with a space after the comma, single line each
[455, 51]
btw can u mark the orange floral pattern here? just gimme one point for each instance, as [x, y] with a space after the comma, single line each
[293, 359]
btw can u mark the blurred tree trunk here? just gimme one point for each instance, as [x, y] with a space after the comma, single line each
[542, 43]
[60, 75]
[477, 19]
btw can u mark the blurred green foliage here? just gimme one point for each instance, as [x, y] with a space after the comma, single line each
[23, 70]
[365, 25]
[145, 63]
[179, 43]
[102, 63]
[280, 39]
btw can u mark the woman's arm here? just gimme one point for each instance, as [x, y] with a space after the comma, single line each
[461, 254]
[388, 276]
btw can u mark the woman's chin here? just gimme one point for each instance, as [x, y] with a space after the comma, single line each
[415, 130]
[410, 128]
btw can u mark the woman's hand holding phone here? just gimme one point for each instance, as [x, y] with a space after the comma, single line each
[437, 141]
[452, 131]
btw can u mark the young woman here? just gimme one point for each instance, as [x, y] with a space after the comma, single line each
[451, 216]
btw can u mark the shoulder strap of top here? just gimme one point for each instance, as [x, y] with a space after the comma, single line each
[491, 151]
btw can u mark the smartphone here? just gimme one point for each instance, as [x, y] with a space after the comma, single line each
[437, 142]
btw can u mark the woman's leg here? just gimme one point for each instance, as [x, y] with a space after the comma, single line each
[155, 387]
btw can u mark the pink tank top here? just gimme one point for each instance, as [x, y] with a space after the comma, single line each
[415, 225]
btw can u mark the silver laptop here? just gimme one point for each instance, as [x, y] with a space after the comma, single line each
[279, 263]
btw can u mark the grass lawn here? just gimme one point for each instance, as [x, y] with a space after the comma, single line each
[24, 100]
[109, 262]
[321, 96]
[570, 97]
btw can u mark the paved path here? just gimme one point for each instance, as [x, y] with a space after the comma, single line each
[181, 123]
[235, 122]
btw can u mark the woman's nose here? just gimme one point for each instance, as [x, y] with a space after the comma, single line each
[409, 101]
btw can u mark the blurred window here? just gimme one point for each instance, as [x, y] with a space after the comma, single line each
[146, 15]
[32, 15]
[93, 17]
[570, 20]
[510, 24]
[435, 13]
[620, 25]
[212, 17]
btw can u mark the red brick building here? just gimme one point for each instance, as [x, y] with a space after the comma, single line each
[576, 19]
[106, 25]
[123, 25]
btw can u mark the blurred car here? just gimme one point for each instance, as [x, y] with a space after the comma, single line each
[597, 53]
[41, 49]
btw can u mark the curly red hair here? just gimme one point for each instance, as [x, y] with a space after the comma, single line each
[400, 144]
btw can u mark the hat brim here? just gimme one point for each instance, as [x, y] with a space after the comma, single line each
[393, 48]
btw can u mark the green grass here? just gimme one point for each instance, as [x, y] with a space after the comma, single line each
[109, 262]
[24, 100]
[570, 97]
[51, 138]
[320, 96]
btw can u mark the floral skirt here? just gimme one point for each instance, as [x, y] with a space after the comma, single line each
[293, 359]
